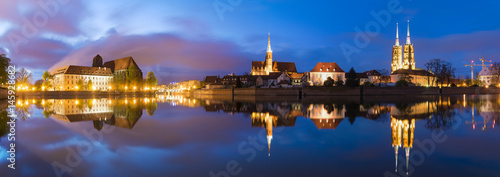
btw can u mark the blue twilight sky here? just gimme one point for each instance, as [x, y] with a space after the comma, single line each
[181, 40]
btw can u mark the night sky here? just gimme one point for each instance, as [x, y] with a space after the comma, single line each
[181, 40]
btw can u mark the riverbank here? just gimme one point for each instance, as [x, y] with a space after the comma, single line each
[79, 94]
[341, 91]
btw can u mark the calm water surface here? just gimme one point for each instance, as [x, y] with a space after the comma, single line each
[176, 136]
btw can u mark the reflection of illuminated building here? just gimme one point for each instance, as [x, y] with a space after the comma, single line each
[326, 116]
[489, 110]
[418, 110]
[402, 130]
[175, 100]
[120, 113]
[267, 121]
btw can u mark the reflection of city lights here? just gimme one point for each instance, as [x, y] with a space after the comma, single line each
[134, 101]
[126, 101]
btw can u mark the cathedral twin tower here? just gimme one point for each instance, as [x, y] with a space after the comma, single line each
[403, 59]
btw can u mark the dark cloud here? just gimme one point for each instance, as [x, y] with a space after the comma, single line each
[167, 50]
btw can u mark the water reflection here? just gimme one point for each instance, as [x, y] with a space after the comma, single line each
[122, 113]
[403, 116]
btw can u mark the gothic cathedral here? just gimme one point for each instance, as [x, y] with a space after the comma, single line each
[403, 57]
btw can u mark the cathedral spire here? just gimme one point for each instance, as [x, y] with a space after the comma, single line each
[269, 42]
[397, 35]
[408, 35]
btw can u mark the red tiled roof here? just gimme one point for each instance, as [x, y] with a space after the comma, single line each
[84, 70]
[211, 79]
[361, 75]
[372, 73]
[412, 72]
[286, 67]
[331, 124]
[296, 75]
[121, 63]
[280, 66]
[327, 67]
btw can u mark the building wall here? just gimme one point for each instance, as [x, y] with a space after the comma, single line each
[417, 79]
[489, 79]
[317, 78]
[67, 82]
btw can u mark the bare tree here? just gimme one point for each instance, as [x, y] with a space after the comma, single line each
[24, 77]
[385, 76]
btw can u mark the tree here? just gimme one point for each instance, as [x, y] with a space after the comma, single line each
[385, 76]
[38, 84]
[24, 77]
[151, 80]
[328, 82]
[47, 80]
[443, 71]
[239, 84]
[352, 79]
[80, 84]
[339, 81]
[4, 65]
[406, 77]
[133, 77]
[89, 85]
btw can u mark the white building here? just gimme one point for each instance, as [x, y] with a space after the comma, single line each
[322, 71]
[489, 75]
[66, 78]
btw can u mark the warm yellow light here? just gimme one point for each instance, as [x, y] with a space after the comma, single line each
[109, 87]
[126, 87]
[487, 86]
[76, 102]
[76, 87]
[194, 87]
[109, 102]
[43, 88]
[134, 101]
[43, 102]
[135, 87]
[126, 101]
[94, 88]
[33, 89]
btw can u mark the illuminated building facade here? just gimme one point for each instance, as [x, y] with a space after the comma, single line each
[268, 66]
[403, 57]
[66, 78]
[322, 71]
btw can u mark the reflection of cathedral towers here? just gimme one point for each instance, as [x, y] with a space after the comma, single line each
[403, 57]
[402, 129]
[268, 121]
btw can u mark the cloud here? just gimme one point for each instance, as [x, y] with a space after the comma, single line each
[161, 49]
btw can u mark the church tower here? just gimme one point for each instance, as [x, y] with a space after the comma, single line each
[97, 62]
[396, 53]
[269, 56]
[408, 53]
